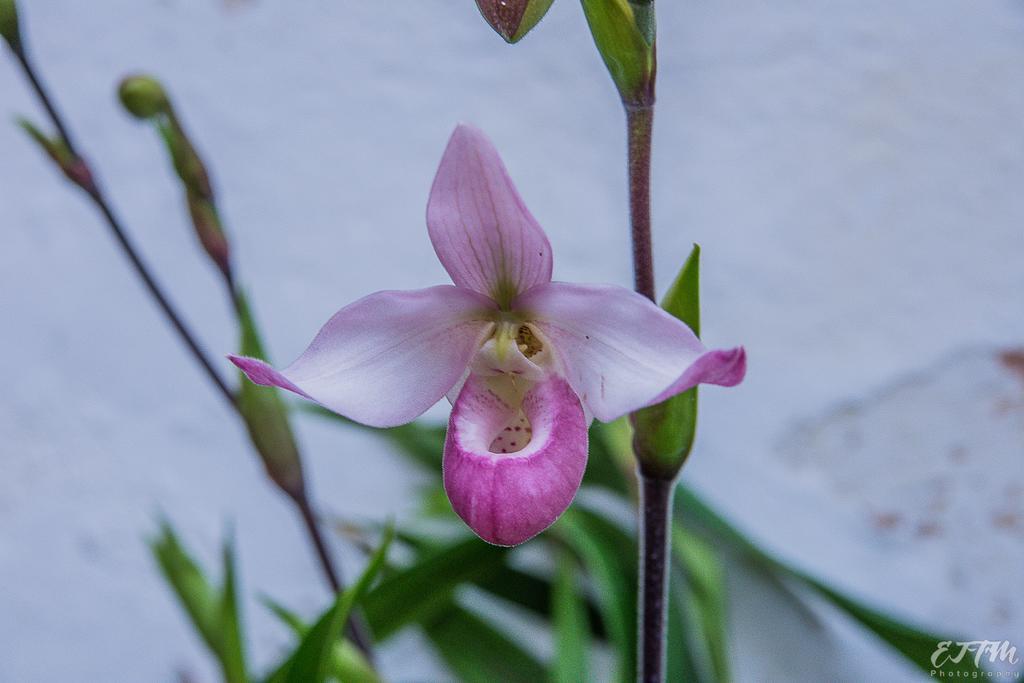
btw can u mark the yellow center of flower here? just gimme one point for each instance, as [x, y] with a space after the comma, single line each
[527, 342]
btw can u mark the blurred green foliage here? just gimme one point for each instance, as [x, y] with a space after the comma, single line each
[580, 590]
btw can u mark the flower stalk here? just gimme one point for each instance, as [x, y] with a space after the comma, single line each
[65, 154]
[655, 488]
[77, 169]
[639, 129]
[655, 545]
[625, 36]
[264, 413]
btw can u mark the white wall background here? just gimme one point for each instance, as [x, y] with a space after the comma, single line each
[854, 171]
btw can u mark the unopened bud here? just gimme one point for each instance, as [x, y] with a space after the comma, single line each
[9, 28]
[146, 99]
[202, 207]
[74, 167]
[209, 231]
[143, 96]
[624, 32]
[266, 416]
[513, 19]
[663, 434]
[187, 163]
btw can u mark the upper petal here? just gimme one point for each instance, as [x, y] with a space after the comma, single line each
[482, 231]
[619, 351]
[386, 358]
[509, 497]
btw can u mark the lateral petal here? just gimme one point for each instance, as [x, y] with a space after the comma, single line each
[619, 351]
[386, 358]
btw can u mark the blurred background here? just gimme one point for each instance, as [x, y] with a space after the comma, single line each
[853, 172]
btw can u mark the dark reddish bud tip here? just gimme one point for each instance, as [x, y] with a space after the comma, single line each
[513, 19]
[209, 231]
[78, 172]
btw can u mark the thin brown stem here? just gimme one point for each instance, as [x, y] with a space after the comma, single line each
[639, 124]
[44, 98]
[92, 189]
[309, 519]
[356, 629]
[655, 544]
[177, 322]
[655, 492]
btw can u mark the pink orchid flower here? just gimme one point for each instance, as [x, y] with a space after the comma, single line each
[527, 362]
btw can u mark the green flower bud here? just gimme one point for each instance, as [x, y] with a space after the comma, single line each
[663, 434]
[624, 33]
[513, 19]
[9, 24]
[202, 206]
[209, 231]
[187, 163]
[143, 96]
[266, 416]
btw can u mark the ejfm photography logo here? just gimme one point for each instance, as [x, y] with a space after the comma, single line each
[950, 653]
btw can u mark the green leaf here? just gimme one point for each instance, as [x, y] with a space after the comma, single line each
[213, 613]
[915, 643]
[570, 624]
[45, 142]
[232, 640]
[664, 433]
[534, 593]
[704, 604]
[610, 464]
[425, 589]
[609, 555]
[683, 298]
[478, 652]
[312, 660]
[624, 35]
[421, 442]
[522, 588]
[57, 149]
[9, 28]
[681, 661]
[195, 593]
[347, 663]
